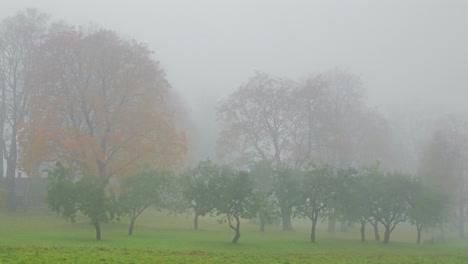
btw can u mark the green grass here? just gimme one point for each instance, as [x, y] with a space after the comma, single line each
[159, 238]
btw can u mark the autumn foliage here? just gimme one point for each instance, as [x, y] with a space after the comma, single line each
[101, 105]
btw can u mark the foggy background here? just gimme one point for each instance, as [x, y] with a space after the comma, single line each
[412, 56]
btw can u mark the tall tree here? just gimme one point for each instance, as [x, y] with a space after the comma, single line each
[257, 120]
[102, 104]
[444, 163]
[20, 36]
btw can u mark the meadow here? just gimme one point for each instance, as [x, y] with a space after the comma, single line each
[42, 237]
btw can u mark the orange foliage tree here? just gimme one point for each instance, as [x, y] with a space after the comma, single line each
[101, 105]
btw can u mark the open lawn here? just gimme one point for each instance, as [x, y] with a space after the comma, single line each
[38, 237]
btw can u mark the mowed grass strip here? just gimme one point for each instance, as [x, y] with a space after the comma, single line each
[160, 238]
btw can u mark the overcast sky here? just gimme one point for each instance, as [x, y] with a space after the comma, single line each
[406, 52]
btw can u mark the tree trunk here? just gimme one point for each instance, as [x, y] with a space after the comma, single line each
[312, 231]
[195, 221]
[375, 224]
[363, 231]
[442, 231]
[461, 210]
[11, 171]
[419, 228]
[387, 235]
[237, 229]
[98, 230]
[2, 128]
[132, 223]
[286, 222]
[331, 224]
[27, 191]
[2, 170]
[343, 227]
[10, 186]
[262, 224]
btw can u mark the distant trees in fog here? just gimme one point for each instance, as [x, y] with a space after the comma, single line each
[444, 162]
[321, 120]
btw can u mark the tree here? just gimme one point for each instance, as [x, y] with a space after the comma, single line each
[68, 194]
[235, 198]
[263, 176]
[369, 183]
[428, 208]
[20, 36]
[198, 187]
[354, 198]
[3, 193]
[142, 191]
[286, 189]
[257, 120]
[109, 108]
[315, 194]
[393, 204]
[444, 163]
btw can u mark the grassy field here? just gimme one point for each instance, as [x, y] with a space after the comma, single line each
[38, 237]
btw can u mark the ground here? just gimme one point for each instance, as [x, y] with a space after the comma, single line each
[39, 237]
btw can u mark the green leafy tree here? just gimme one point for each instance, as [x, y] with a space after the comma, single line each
[67, 195]
[197, 189]
[316, 192]
[263, 178]
[428, 207]
[353, 199]
[392, 206]
[286, 190]
[235, 198]
[142, 191]
[370, 181]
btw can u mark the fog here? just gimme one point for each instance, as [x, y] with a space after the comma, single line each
[408, 54]
[292, 118]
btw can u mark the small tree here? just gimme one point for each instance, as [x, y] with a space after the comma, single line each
[370, 181]
[235, 198]
[197, 189]
[143, 190]
[263, 180]
[393, 205]
[316, 192]
[286, 189]
[67, 195]
[354, 199]
[428, 208]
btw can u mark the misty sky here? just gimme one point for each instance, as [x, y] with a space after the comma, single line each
[406, 52]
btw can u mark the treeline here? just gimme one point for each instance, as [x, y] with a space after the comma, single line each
[365, 196]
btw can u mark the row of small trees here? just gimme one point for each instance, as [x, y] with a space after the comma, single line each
[365, 196]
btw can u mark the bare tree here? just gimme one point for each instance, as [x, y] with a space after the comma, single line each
[444, 162]
[19, 37]
[258, 120]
